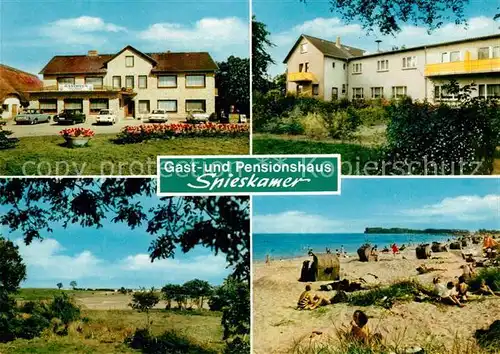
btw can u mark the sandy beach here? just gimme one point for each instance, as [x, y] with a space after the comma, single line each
[277, 325]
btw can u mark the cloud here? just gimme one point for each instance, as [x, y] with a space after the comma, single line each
[207, 33]
[463, 208]
[294, 222]
[83, 30]
[48, 262]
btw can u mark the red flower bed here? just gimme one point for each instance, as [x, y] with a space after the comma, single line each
[138, 133]
[77, 132]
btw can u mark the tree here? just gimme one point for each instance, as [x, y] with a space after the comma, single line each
[173, 292]
[233, 83]
[73, 284]
[59, 285]
[387, 16]
[261, 59]
[198, 290]
[12, 268]
[144, 301]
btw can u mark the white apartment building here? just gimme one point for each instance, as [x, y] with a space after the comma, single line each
[331, 70]
[130, 82]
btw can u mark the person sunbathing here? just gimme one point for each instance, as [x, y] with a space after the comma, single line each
[308, 301]
[484, 289]
[446, 293]
[462, 288]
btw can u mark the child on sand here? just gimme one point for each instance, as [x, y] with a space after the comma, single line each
[462, 288]
[359, 328]
[395, 249]
[308, 301]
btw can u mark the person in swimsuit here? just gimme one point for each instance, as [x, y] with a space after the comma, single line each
[308, 301]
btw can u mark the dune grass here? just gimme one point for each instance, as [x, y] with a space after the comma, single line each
[386, 295]
[490, 275]
[47, 155]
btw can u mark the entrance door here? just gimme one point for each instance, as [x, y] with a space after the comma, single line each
[130, 109]
[14, 110]
[335, 93]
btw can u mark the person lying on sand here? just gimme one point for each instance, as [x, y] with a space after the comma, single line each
[446, 294]
[308, 301]
[360, 330]
[423, 269]
[462, 288]
[344, 285]
[484, 289]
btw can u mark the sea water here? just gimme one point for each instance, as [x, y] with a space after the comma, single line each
[280, 246]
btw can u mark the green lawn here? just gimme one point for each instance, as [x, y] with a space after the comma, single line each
[354, 156]
[48, 156]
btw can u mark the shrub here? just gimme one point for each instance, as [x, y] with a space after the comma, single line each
[168, 342]
[144, 301]
[5, 141]
[441, 139]
[314, 126]
[31, 326]
[342, 124]
[144, 132]
[489, 338]
[490, 275]
[374, 115]
[63, 308]
[384, 296]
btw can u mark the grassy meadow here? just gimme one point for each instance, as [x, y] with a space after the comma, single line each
[104, 330]
[54, 158]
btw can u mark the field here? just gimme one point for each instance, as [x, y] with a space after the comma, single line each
[48, 156]
[107, 321]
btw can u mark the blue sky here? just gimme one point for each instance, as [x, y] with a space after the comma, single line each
[112, 256]
[34, 31]
[316, 19]
[468, 203]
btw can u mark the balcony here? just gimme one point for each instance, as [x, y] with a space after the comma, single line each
[302, 77]
[464, 67]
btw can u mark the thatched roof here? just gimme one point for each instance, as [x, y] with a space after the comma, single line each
[17, 82]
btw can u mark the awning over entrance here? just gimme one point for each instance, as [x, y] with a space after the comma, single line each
[302, 77]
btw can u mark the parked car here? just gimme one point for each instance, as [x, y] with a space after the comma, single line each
[106, 116]
[197, 117]
[32, 116]
[158, 115]
[70, 116]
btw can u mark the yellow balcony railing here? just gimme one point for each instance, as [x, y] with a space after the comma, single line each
[302, 77]
[463, 67]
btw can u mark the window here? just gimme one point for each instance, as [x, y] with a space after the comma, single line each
[143, 106]
[299, 89]
[129, 61]
[195, 80]
[357, 92]
[398, 91]
[96, 104]
[493, 91]
[167, 81]
[382, 65]
[335, 93]
[301, 67]
[65, 81]
[48, 106]
[496, 52]
[344, 66]
[343, 89]
[195, 105]
[483, 53]
[307, 67]
[96, 82]
[315, 88]
[129, 82]
[143, 81]
[409, 62]
[117, 82]
[303, 48]
[482, 91]
[444, 57]
[377, 92]
[333, 65]
[357, 68]
[75, 104]
[437, 93]
[168, 105]
[454, 56]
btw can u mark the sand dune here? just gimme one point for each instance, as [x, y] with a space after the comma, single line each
[277, 325]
